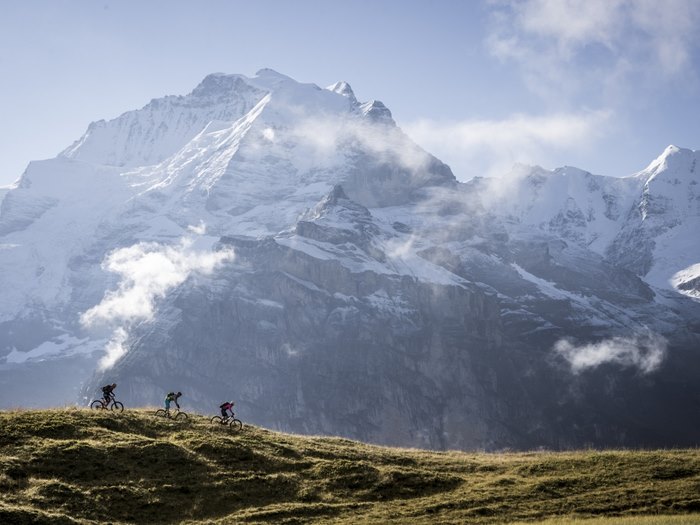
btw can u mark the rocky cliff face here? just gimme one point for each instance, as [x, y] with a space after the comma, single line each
[289, 247]
[307, 346]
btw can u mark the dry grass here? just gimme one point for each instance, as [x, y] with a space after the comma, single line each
[78, 466]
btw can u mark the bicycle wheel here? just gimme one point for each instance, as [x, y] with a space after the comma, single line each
[215, 419]
[235, 425]
[181, 416]
[117, 407]
[160, 413]
[96, 404]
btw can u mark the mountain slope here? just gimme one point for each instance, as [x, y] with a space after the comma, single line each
[162, 127]
[56, 465]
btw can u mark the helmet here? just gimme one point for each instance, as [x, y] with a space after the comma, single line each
[179, 393]
[114, 385]
[232, 402]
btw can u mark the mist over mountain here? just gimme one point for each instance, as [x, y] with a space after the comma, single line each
[289, 247]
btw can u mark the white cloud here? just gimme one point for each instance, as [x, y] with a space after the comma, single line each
[148, 271]
[323, 139]
[571, 23]
[588, 47]
[398, 249]
[672, 27]
[644, 351]
[492, 147]
[200, 229]
[269, 134]
[114, 349]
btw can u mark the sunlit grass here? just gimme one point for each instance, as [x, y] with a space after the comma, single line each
[687, 519]
[78, 466]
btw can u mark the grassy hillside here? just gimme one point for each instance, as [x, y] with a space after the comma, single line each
[77, 466]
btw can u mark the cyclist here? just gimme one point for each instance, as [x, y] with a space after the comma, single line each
[108, 393]
[225, 408]
[172, 396]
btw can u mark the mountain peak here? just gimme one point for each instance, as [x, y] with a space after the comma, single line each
[343, 88]
[674, 150]
[153, 133]
[676, 153]
[267, 72]
[335, 198]
[674, 161]
[377, 111]
[272, 77]
[337, 193]
[217, 83]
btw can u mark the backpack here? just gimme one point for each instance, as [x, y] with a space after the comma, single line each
[107, 388]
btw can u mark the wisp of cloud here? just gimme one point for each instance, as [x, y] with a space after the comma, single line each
[490, 147]
[638, 42]
[148, 271]
[645, 351]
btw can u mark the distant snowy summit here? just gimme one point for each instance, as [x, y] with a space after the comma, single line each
[162, 127]
[225, 123]
[642, 222]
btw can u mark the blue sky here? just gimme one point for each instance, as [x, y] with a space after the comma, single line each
[604, 85]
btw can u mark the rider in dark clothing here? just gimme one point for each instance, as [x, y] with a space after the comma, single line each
[227, 406]
[108, 392]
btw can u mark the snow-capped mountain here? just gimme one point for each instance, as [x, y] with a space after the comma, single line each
[290, 247]
[664, 224]
[643, 222]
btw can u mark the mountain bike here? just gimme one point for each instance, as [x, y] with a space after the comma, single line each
[101, 404]
[177, 415]
[233, 423]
